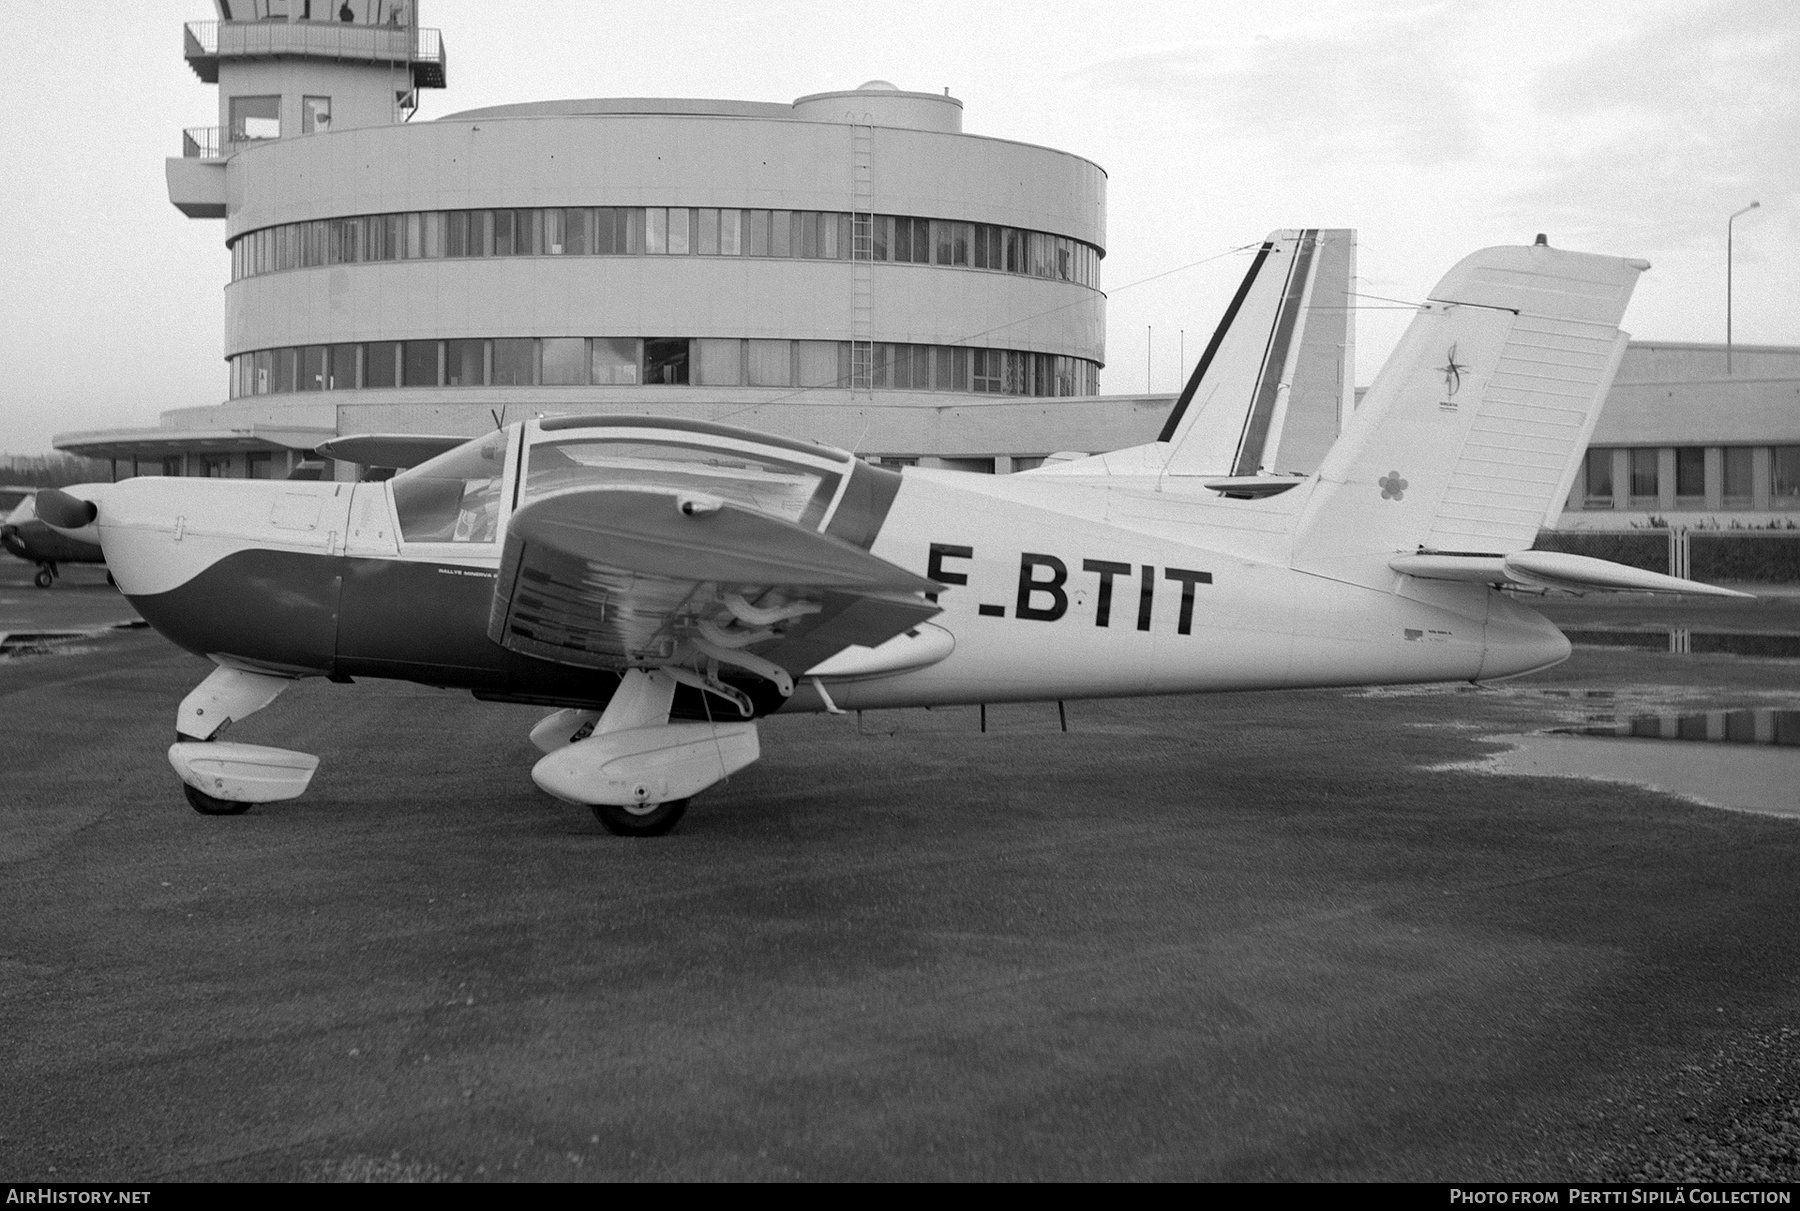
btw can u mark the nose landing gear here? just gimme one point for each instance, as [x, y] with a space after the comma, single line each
[206, 805]
[46, 573]
[221, 779]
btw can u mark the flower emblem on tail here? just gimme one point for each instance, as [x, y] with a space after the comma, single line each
[1392, 486]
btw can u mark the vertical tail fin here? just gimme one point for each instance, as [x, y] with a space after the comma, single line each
[1469, 438]
[1275, 381]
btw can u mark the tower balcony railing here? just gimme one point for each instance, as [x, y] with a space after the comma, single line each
[216, 142]
[422, 50]
[203, 143]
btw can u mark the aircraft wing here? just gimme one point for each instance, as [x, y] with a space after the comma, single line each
[619, 577]
[400, 450]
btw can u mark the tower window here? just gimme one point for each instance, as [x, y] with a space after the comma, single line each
[255, 118]
[315, 115]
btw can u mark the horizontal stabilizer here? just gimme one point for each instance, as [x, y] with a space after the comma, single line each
[1253, 487]
[401, 450]
[1552, 570]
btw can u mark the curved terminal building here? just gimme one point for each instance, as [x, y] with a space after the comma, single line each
[852, 267]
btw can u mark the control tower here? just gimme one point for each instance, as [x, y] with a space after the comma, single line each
[298, 67]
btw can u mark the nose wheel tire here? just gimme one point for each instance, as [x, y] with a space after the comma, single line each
[206, 805]
[646, 820]
[43, 578]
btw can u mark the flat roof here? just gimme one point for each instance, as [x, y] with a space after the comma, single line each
[583, 106]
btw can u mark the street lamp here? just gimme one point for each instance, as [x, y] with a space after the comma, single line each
[1728, 223]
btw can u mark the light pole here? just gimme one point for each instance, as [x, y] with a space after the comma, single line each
[1728, 223]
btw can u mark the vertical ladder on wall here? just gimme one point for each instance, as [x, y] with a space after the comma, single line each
[862, 257]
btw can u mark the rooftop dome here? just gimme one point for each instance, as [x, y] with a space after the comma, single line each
[877, 86]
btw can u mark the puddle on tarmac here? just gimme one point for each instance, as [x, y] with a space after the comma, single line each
[1757, 725]
[1685, 641]
[1746, 760]
[16, 645]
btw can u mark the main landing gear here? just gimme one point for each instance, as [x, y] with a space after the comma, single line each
[222, 779]
[46, 573]
[640, 819]
[634, 768]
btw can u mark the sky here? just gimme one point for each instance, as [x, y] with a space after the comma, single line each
[1434, 129]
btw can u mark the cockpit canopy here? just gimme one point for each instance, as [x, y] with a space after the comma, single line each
[455, 497]
[462, 495]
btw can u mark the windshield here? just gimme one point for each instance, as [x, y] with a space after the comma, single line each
[775, 486]
[454, 497]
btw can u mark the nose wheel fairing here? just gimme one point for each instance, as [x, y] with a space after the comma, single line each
[222, 778]
[243, 774]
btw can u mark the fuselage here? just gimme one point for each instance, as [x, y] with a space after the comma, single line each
[1055, 587]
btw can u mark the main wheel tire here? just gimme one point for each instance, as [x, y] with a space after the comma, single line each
[206, 805]
[43, 578]
[649, 821]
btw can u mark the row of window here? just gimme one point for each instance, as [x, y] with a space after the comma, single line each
[628, 361]
[1734, 477]
[663, 231]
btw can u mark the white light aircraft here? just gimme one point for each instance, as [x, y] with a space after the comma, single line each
[663, 583]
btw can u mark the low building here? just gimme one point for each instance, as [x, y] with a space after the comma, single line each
[1694, 436]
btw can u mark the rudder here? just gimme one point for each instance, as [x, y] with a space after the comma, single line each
[1469, 439]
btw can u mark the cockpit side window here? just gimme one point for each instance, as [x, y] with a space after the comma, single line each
[776, 486]
[454, 497]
